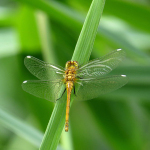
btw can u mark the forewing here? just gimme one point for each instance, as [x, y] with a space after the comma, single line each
[43, 70]
[48, 90]
[92, 88]
[101, 66]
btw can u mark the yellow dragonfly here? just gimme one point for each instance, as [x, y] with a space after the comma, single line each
[90, 77]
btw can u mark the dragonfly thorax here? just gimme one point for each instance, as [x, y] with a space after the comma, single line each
[70, 72]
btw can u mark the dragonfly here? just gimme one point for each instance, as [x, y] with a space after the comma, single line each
[90, 78]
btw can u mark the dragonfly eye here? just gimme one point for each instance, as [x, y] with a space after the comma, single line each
[68, 63]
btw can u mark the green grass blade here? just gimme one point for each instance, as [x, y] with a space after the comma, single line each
[45, 37]
[87, 36]
[21, 128]
[84, 48]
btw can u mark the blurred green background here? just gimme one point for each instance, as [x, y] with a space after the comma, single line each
[49, 31]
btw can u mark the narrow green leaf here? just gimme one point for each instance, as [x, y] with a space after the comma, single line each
[82, 52]
[45, 37]
[87, 36]
[21, 128]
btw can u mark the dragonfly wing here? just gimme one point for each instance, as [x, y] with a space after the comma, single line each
[101, 66]
[43, 70]
[92, 88]
[48, 90]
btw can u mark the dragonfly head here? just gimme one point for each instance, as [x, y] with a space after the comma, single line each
[72, 64]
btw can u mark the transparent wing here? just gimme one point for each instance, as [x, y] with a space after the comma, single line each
[48, 90]
[43, 70]
[92, 88]
[101, 66]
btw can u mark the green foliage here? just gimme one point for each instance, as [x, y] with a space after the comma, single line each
[49, 30]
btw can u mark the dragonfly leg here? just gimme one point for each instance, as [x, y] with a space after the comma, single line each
[62, 94]
[74, 90]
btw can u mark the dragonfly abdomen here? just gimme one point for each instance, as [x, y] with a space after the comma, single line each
[69, 87]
